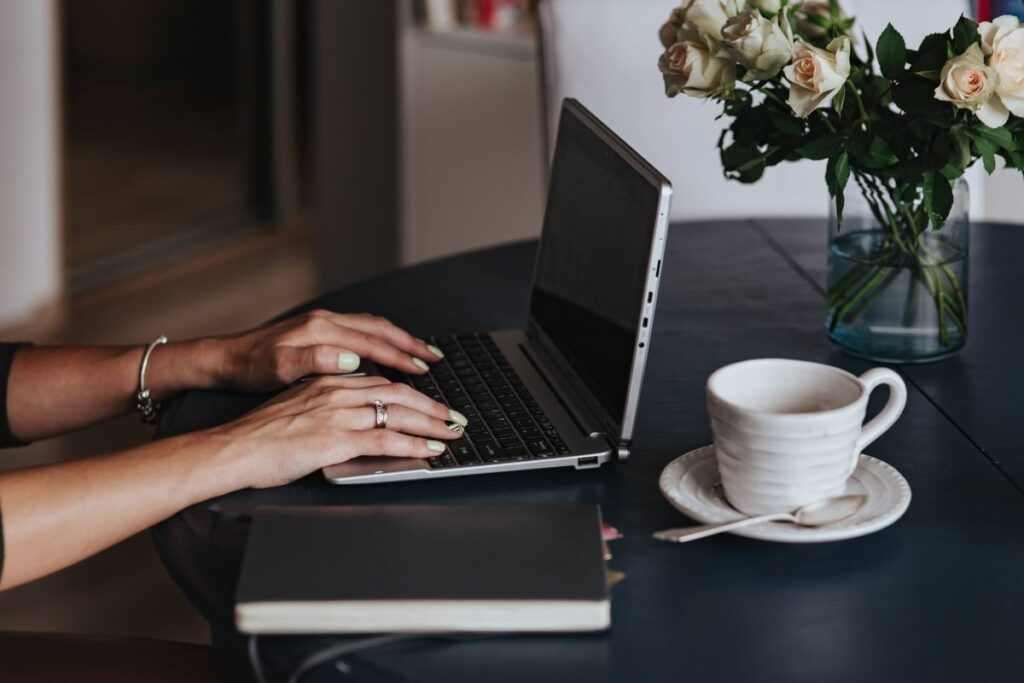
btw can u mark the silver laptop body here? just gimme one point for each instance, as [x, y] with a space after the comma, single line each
[597, 270]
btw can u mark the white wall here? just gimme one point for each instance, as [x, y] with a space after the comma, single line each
[472, 166]
[30, 264]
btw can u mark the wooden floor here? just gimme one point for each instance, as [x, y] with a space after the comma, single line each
[125, 590]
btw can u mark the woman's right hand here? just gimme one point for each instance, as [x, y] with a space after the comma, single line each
[331, 420]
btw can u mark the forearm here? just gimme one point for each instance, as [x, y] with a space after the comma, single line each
[58, 389]
[56, 515]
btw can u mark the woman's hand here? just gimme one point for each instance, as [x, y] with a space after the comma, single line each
[49, 525]
[331, 420]
[318, 343]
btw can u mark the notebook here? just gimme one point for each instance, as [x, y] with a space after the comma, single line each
[395, 569]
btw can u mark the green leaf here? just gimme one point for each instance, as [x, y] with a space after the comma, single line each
[838, 100]
[916, 96]
[880, 154]
[892, 53]
[736, 154]
[743, 163]
[965, 34]
[987, 151]
[785, 122]
[938, 198]
[867, 47]
[822, 148]
[1001, 136]
[961, 154]
[931, 55]
[837, 174]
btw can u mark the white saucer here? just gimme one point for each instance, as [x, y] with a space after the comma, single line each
[692, 485]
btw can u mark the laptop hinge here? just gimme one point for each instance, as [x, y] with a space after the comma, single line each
[588, 421]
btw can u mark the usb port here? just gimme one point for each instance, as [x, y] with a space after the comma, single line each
[585, 463]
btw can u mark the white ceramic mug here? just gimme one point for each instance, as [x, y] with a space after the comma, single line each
[789, 433]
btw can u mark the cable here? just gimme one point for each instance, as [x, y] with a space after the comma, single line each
[336, 652]
[255, 663]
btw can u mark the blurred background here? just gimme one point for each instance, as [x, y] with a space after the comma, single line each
[193, 167]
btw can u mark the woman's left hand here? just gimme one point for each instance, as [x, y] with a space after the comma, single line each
[317, 343]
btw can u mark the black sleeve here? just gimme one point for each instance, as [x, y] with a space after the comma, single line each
[7, 352]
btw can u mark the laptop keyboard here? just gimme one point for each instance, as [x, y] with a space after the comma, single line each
[505, 423]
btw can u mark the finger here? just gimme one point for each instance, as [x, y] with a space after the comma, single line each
[403, 419]
[322, 328]
[380, 350]
[387, 330]
[401, 394]
[301, 397]
[387, 442]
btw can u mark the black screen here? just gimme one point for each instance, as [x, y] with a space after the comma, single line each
[592, 268]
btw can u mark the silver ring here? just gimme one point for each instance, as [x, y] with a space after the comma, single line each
[380, 410]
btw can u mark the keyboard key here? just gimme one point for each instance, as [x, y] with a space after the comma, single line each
[497, 422]
[464, 453]
[492, 452]
[538, 446]
[435, 463]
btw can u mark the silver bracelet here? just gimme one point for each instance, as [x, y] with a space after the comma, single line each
[149, 410]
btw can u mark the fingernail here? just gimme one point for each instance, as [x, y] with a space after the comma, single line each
[348, 361]
[435, 446]
[436, 351]
[420, 364]
[458, 417]
[456, 427]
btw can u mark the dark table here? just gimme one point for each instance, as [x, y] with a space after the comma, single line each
[938, 596]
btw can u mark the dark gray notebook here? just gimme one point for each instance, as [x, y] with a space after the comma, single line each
[411, 568]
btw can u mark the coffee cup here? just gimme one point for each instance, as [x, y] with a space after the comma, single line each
[789, 433]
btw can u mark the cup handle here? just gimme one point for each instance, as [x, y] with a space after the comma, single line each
[888, 415]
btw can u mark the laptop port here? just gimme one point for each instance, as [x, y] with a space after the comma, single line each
[587, 463]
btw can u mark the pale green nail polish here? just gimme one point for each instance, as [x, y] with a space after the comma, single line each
[458, 417]
[420, 364]
[436, 351]
[435, 446]
[348, 361]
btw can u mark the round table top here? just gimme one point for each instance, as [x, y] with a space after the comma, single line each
[923, 598]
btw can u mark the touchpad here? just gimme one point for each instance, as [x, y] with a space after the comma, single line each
[374, 464]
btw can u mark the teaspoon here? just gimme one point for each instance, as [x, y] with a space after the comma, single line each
[822, 513]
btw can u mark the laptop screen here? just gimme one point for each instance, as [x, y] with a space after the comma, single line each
[588, 291]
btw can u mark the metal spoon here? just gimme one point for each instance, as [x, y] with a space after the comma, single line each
[822, 513]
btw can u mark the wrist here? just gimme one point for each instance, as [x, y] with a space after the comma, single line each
[217, 465]
[179, 366]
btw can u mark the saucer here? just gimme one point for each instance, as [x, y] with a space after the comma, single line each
[692, 485]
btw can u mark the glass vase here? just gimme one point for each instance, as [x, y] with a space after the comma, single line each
[897, 287]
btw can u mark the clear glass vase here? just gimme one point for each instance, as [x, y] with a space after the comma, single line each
[897, 288]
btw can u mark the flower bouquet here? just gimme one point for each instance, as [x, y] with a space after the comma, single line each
[902, 123]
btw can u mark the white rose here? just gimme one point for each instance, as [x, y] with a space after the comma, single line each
[769, 6]
[993, 31]
[969, 84]
[816, 75]
[690, 67]
[709, 16]
[762, 46]
[1003, 40]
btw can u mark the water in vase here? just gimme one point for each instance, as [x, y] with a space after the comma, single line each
[896, 310]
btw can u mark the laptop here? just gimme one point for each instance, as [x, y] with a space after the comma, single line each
[564, 391]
